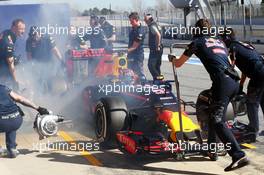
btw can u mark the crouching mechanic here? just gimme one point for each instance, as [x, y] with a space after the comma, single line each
[214, 55]
[251, 64]
[11, 117]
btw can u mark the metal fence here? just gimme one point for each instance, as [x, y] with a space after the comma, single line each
[248, 25]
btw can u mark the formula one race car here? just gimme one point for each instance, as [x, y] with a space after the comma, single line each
[140, 117]
[135, 116]
[140, 122]
[132, 115]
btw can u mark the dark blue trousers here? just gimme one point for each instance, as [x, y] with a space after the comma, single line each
[154, 63]
[9, 127]
[255, 98]
[223, 89]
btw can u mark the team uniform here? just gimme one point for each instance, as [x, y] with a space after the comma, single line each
[136, 57]
[214, 55]
[7, 42]
[96, 37]
[75, 42]
[41, 50]
[252, 65]
[109, 31]
[10, 118]
[44, 67]
[97, 41]
[155, 55]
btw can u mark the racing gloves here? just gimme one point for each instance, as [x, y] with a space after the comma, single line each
[171, 57]
[42, 111]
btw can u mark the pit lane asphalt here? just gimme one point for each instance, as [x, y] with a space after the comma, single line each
[33, 160]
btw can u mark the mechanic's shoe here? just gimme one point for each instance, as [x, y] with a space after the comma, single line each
[158, 80]
[12, 153]
[238, 163]
[212, 156]
[221, 152]
[2, 152]
[261, 133]
[250, 137]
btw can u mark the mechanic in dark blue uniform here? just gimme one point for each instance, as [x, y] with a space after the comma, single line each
[75, 41]
[97, 36]
[41, 48]
[135, 46]
[109, 31]
[7, 42]
[214, 55]
[155, 47]
[251, 64]
[11, 116]
[97, 40]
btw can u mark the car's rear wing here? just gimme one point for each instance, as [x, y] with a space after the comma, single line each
[85, 54]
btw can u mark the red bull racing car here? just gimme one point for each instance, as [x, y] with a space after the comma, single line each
[135, 116]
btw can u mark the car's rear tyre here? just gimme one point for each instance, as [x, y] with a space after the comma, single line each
[110, 114]
[203, 111]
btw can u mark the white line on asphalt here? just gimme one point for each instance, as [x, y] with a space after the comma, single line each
[192, 60]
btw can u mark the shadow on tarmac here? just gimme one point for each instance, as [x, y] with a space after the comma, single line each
[113, 159]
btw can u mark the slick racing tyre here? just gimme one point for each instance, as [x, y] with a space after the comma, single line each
[110, 114]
